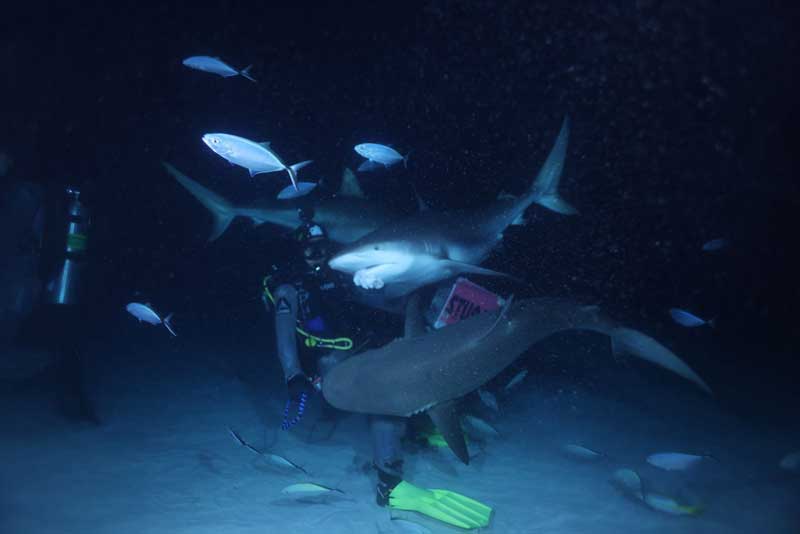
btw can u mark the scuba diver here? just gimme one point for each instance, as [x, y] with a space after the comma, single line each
[41, 291]
[307, 305]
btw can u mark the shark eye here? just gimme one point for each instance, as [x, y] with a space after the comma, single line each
[215, 140]
[377, 247]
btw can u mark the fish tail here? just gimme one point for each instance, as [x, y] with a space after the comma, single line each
[292, 170]
[405, 160]
[168, 324]
[246, 73]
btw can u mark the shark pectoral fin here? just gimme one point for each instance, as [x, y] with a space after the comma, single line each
[374, 277]
[222, 210]
[557, 204]
[635, 343]
[457, 267]
[445, 417]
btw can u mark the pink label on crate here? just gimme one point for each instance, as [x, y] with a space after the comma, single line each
[465, 300]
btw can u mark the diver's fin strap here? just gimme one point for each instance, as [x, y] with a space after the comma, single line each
[336, 343]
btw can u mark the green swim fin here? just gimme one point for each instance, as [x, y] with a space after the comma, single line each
[447, 506]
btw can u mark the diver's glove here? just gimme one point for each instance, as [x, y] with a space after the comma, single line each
[300, 390]
[447, 506]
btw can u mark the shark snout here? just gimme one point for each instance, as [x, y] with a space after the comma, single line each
[348, 262]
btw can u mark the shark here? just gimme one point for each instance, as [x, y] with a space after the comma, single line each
[426, 247]
[429, 371]
[347, 216]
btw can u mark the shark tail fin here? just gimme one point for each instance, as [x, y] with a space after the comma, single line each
[635, 343]
[168, 324]
[222, 210]
[544, 190]
[246, 73]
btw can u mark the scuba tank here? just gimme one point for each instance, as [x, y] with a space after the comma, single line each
[66, 286]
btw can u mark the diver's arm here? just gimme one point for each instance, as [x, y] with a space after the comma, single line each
[285, 323]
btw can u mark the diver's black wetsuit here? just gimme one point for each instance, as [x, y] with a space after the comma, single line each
[320, 302]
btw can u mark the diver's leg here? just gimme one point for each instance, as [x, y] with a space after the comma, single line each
[285, 323]
[386, 432]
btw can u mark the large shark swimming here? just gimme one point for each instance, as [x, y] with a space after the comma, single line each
[427, 247]
[429, 372]
[347, 217]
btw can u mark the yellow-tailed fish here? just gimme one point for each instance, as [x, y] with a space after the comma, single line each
[669, 505]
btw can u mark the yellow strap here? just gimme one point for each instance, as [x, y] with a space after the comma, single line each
[337, 343]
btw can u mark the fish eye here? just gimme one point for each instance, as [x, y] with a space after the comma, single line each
[377, 247]
[215, 140]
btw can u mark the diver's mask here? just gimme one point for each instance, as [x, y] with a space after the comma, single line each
[316, 252]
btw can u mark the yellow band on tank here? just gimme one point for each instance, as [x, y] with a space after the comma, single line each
[76, 241]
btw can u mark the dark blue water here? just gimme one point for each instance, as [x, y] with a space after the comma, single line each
[682, 118]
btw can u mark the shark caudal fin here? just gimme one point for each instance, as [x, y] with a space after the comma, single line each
[222, 210]
[633, 342]
[544, 190]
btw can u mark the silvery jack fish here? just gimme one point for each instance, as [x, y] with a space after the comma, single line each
[378, 156]
[145, 313]
[215, 65]
[257, 158]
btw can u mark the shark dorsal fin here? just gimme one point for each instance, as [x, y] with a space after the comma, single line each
[445, 417]
[350, 186]
[415, 322]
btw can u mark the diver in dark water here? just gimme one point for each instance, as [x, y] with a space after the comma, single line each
[40, 317]
[308, 305]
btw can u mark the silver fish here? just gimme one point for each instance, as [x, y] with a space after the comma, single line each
[382, 154]
[308, 489]
[480, 426]
[674, 461]
[519, 377]
[215, 65]
[145, 313]
[629, 482]
[489, 399]
[684, 318]
[715, 245]
[662, 503]
[579, 451]
[257, 158]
